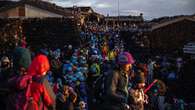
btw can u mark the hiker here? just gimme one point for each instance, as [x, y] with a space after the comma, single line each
[17, 84]
[40, 93]
[137, 98]
[5, 69]
[117, 84]
[66, 98]
[5, 72]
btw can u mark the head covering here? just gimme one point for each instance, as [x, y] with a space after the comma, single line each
[5, 59]
[21, 58]
[69, 46]
[139, 79]
[125, 58]
[39, 65]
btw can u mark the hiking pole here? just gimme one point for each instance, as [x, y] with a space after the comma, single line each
[149, 87]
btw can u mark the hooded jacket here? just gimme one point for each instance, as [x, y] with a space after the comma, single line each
[40, 88]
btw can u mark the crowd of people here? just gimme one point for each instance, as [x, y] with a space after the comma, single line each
[99, 75]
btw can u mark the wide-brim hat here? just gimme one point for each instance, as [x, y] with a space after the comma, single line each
[125, 58]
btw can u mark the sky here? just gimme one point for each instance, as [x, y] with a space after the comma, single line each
[149, 8]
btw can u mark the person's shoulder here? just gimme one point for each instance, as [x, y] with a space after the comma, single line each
[39, 79]
[132, 91]
[116, 72]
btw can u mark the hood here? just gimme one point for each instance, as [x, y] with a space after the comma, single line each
[39, 65]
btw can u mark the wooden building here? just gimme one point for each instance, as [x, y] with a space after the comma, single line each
[85, 14]
[113, 21]
[32, 9]
[38, 21]
[171, 34]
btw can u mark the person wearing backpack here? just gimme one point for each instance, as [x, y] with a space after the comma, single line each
[116, 94]
[17, 84]
[40, 95]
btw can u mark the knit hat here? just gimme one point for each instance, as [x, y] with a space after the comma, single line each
[139, 79]
[125, 58]
[21, 58]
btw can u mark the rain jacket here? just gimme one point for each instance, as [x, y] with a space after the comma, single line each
[40, 90]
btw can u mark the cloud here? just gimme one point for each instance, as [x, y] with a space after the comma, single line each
[64, 4]
[103, 5]
[150, 8]
[85, 2]
[68, 3]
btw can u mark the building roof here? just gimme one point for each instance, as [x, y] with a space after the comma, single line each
[85, 9]
[5, 5]
[162, 22]
[82, 9]
[131, 18]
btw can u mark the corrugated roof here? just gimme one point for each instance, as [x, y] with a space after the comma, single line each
[5, 5]
[171, 21]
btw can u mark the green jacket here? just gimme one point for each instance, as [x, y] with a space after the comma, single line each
[117, 87]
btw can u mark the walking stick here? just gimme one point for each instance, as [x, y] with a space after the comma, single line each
[149, 87]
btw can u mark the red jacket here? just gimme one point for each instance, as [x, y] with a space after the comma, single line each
[40, 89]
[42, 93]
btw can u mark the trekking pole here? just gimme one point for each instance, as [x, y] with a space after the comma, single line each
[149, 87]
